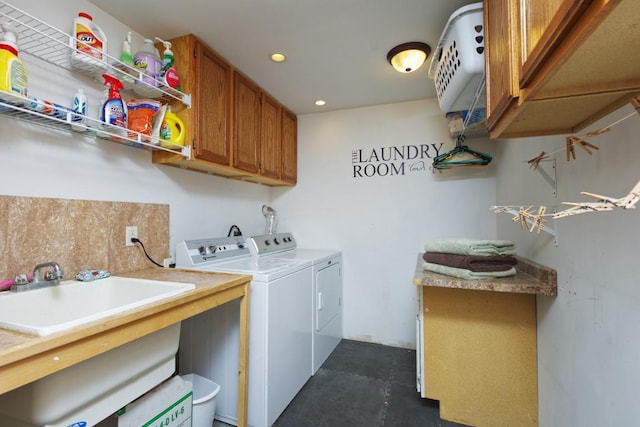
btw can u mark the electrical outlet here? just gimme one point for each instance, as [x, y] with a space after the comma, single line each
[130, 232]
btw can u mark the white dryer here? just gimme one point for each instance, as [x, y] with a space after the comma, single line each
[326, 270]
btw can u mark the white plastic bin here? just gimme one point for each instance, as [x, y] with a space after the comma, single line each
[204, 399]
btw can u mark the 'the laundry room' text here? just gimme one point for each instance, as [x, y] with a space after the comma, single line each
[392, 161]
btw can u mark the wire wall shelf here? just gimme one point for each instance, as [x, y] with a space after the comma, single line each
[61, 119]
[45, 43]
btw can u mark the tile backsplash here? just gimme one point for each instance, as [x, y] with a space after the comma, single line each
[79, 235]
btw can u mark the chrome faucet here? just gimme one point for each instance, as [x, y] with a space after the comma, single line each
[52, 277]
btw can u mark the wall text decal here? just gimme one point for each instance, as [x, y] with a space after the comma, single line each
[393, 161]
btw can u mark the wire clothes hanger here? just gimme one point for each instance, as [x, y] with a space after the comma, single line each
[462, 155]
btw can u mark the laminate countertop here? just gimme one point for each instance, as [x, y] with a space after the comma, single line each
[25, 358]
[531, 278]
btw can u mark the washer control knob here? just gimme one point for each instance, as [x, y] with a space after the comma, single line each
[267, 242]
[202, 250]
[212, 249]
[276, 241]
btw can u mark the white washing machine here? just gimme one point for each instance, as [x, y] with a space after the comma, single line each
[280, 329]
[326, 269]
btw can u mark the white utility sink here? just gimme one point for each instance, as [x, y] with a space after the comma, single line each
[72, 303]
[87, 392]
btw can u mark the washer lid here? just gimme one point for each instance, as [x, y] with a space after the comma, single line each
[316, 256]
[262, 269]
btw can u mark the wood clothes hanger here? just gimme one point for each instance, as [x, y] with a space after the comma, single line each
[461, 156]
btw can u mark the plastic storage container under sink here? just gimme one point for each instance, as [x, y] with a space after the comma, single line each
[204, 399]
[91, 390]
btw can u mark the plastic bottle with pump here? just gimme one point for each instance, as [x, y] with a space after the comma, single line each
[147, 60]
[13, 72]
[127, 59]
[90, 42]
[168, 73]
[114, 110]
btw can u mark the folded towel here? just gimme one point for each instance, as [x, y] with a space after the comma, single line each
[467, 274]
[462, 246]
[472, 262]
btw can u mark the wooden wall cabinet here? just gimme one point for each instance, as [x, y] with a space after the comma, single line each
[246, 124]
[289, 147]
[233, 126]
[556, 66]
[271, 159]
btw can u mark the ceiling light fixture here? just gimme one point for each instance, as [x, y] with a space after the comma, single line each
[278, 57]
[408, 57]
[320, 102]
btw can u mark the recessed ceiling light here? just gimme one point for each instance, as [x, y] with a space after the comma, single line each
[320, 102]
[278, 57]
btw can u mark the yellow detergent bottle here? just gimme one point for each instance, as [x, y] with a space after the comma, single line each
[172, 130]
[13, 73]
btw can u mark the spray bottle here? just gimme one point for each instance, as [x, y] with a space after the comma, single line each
[168, 74]
[114, 110]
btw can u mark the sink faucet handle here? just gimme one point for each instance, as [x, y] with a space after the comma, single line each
[21, 279]
[55, 274]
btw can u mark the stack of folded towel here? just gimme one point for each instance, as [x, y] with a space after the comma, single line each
[471, 259]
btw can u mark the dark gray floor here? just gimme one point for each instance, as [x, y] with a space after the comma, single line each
[363, 385]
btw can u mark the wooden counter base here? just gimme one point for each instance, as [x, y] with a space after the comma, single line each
[26, 358]
[478, 349]
[480, 356]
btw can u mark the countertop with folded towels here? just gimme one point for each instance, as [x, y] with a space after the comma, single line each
[529, 278]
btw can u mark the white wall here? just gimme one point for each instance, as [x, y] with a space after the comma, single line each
[44, 163]
[588, 348]
[382, 222]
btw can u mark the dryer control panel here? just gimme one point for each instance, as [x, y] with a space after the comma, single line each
[271, 243]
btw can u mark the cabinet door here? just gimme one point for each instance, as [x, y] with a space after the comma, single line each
[543, 25]
[289, 146]
[501, 57]
[246, 124]
[270, 138]
[212, 104]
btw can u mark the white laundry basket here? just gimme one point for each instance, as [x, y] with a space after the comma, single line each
[457, 66]
[204, 399]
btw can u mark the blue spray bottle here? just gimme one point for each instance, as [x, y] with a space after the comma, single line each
[114, 110]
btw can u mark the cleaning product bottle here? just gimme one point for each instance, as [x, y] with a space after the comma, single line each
[114, 110]
[79, 111]
[13, 73]
[127, 59]
[90, 42]
[147, 60]
[168, 73]
[172, 130]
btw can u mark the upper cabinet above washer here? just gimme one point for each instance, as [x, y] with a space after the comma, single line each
[556, 66]
[234, 128]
